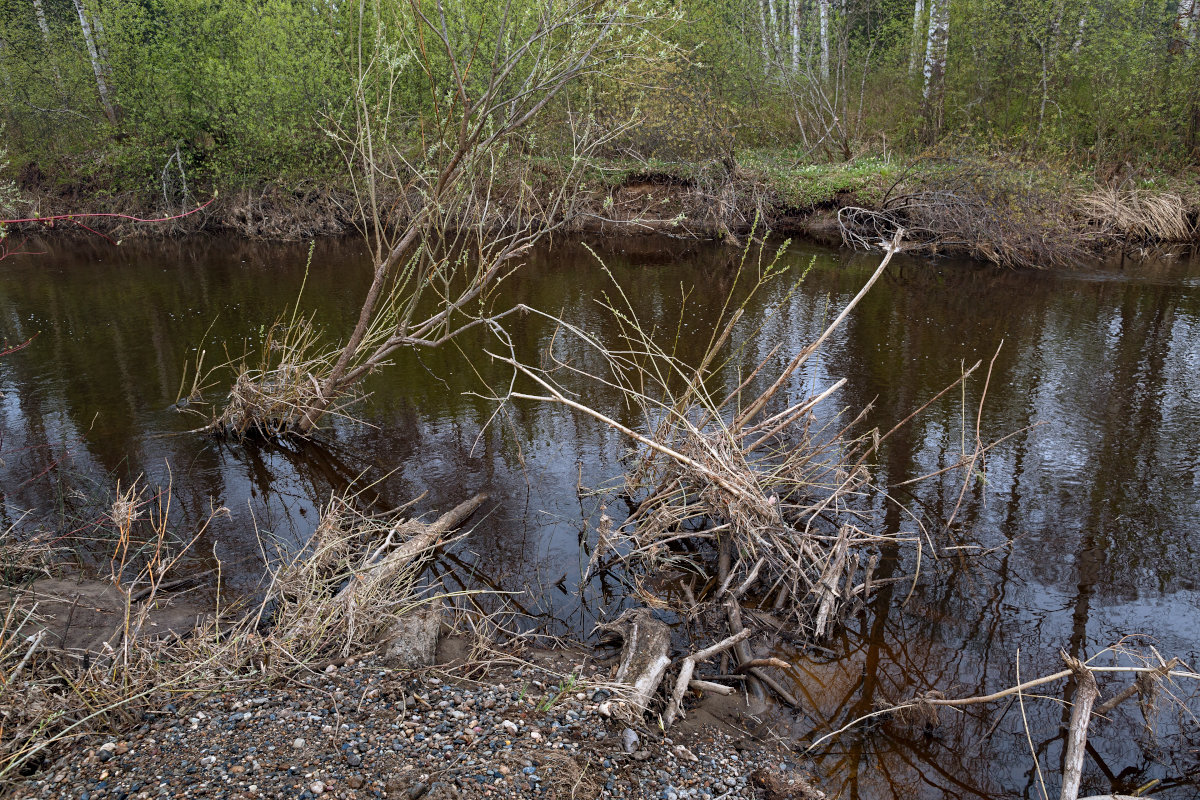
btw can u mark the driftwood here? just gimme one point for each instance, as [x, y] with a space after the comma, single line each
[1086, 693]
[684, 681]
[646, 644]
[398, 555]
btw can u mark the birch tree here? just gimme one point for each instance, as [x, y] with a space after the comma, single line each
[1185, 21]
[936, 44]
[797, 7]
[44, 26]
[98, 67]
[823, 11]
[918, 39]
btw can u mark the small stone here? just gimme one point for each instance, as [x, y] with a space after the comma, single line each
[605, 709]
[354, 782]
[299, 743]
[641, 755]
[683, 753]
[317, 787]
[510, 726]
[629, 740]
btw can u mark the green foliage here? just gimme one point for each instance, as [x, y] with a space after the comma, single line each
[805, 185]
[244, 90]
[9, 197]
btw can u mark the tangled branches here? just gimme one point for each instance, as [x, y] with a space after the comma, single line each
[770, 495]
[995, 212]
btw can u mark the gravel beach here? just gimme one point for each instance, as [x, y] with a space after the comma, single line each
[361, 730]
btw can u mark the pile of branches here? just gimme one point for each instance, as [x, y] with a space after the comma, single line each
[983, 209]
[756, 500]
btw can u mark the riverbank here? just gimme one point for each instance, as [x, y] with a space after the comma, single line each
[361, 729]
[995, 209]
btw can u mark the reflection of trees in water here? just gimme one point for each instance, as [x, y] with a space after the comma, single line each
[1095, 509]
[1106, 354]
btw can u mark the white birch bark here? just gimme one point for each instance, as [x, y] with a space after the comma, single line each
[823, 7]
[1079, 31]
[762, 26]
[796, 8]
[1186, 18]
[44, 25]
[918, 38]
[41, 20]
[774, 25]
[97, 67]
[935, 48]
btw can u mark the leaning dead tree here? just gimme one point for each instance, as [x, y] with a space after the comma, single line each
[750, 494]
[446, 197]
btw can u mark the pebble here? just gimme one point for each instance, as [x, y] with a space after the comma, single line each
[364, 732]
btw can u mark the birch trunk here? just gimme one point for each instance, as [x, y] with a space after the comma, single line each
[1186, 18]
[97, 66]
[823, 6]
[774, 26]
[918, 52]
[1079, 31]
[796, 9]
[40, 11]
[762, 20]
[936, 44]
[44, 25]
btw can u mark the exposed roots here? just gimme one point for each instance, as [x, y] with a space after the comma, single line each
[986, 210]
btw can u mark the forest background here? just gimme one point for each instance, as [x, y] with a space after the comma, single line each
[156, 104]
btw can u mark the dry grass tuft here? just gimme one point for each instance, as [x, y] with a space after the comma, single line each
[333, 597]
[1139, 214]
[272, 397]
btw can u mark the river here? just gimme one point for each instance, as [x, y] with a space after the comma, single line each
[1081, 530]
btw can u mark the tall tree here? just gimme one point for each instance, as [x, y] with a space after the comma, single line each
[1186, 18]
[936, 44]
[918, 38]
[98, 67]
[823, 10]
[796, 9]
[44, 25]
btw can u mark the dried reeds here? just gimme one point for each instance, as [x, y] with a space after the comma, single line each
[1138, 214]
[335, 596]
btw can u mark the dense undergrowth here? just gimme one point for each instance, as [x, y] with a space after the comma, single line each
[155, 107]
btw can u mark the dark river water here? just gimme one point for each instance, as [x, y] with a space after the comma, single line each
[1081, 532]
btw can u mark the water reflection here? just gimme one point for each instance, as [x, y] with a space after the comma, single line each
[1078, 532]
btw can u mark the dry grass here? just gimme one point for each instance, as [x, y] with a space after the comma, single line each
[333, 597]
[271, 396]
[1139, 214]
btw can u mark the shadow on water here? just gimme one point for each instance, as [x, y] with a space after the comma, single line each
[1080, 532]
